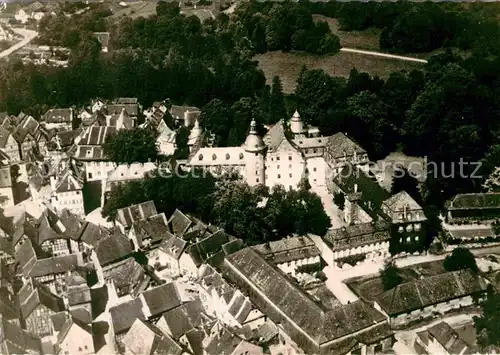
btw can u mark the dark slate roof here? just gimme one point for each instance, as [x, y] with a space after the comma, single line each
[113, 248]
[55, 265]
[131, 108]
[179, 223]
[448, 338]
[221, 341]
[71, 322]
[74, 225]
[356, 235]
[124, 315]
[320, 324]
[81, 314]
[340, 145]
[155, 228]
[92, 234]
[174, 247]
[9, 306]
[59, 115]
[27, 126]
[69, 183]
[162, 298]
[128, 215]
[145, 338]
[127, 275]
[475, 201]
[26, 257]
[207, 247]
[58, 320]
[182, 319]
[14, 340]
[288, 249]
[78, 291]
[4, 136]
[428, 291]
[67, 138]
[31, 296]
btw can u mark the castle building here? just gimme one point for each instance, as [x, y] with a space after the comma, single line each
[285, 155]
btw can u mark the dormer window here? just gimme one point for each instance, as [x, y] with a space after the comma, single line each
[214, 157]
[227, 157]
[200, 157]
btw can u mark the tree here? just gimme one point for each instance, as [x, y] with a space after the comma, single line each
[276, 101]
[390, 276]
[216, 117]
[487, 329]
[460, 259]
[339, 200]
[132, 146]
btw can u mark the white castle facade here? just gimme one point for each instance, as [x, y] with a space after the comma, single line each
[286, 154]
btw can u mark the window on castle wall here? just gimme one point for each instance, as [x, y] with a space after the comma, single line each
[277, 158]
[257, 180]
[279, 176]
[227, 156]
[214, 157]
[241, 156]
[290, 175]
[417, 226]
[290, 158]
[200, 157]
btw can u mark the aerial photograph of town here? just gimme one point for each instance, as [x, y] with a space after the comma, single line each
[249, 177]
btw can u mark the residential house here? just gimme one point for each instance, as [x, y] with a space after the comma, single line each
[179, 321]
[9, 307]
[14, 340]
[166, 142]
[144, 338]
[128, 215]
[224, 342]
[473, 208]
[441, 338]
[470, 235]
[353, 328]
[78, 294]
[130, 104]
[68, 193]
[184, 115]
[370, 240]
[125, 173]
[32, 11]
[126, 277]
[149, 233]
[429, 296]
[123, 317]
[6, 183]
[103, 38]
[26, 135]
[98, 105]
[75, 337]
[59, 118]
[363, 195]
[222, 301]
[159, 300]
[38, 304]
[90, 152]
[407, 218]
[52, 272]
[9, 145]
[291, 254]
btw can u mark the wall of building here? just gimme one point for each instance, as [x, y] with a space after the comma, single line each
[374, 251]
[291, 267]
[317, 171]
[427, 312]
[98, 170]
[285, 168]
[254, 168]
[6, 197]
[71, 200]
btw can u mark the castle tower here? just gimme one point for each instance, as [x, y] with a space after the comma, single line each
[296, 124]
[255, 149]
[194, 135]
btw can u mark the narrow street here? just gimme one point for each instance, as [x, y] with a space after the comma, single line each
[28, 35]
[385, 55]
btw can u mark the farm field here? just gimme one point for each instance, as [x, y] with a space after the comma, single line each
[288, 65]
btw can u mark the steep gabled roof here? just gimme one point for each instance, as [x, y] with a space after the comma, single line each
[55, 265]
[339, 145]
[179, 223]
[124, 315]
[32, 295]
[69, 183]
[128, 215]
[275, 136]
[14, 340]
[113, 248]
[59, 115]
[162, 298]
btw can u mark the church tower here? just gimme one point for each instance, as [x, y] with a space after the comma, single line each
[255, 150]
[296, 124]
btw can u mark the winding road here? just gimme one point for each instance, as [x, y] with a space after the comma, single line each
[28, 35]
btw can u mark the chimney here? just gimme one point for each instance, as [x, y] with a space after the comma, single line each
[53, 183]
[355, 188]
[404, 212]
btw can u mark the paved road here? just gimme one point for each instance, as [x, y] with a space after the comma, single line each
[385, 55]
[28, 35]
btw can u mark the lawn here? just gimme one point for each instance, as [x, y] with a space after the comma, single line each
[367, 39]
[135, 9]
[288, 65]
[368, 288]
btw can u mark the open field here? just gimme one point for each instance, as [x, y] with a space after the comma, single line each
[367, 39]
[135, 9]
[288, 65]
